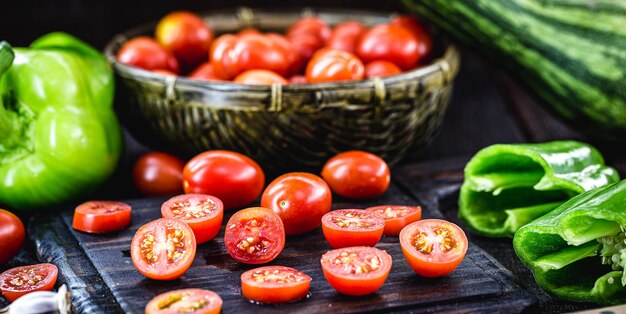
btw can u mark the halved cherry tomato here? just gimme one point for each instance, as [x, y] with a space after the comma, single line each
[19, 281]
[300, 199]
[391, 43]
[308, 35]
[146, 53]
[259, 77]
[419, 30]
[187, 36]
[163, 249]
[232, 55]
[274, 284]
[433, 247]
[329, 65]
[298, 79]
[381, 68]
[254, 235]
[396, 216]
[203, 213]
[357, 174]
[101, 216]
[345, 36]
[11, 235]
[358, 270]
[205, 71]
[196, 301]
[158, 173]
[352, 227]
[232, 177]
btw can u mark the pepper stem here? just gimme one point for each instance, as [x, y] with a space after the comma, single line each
[8, 121]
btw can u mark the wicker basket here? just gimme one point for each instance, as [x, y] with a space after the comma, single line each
[290, 126]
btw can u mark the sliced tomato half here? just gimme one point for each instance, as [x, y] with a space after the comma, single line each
[101, 216]
[254, 235]
[352, 227]
[19, 281]
[203, 213]
[274, 284]
[396, 216]
[359, 270]
[196, 301]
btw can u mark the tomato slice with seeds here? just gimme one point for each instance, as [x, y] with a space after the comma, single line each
[274, 284]
[101, 216]
[396, 216]
[22, 280]
[203, 213]
[352, 227]
[433, 247]
[196, 301]
[254, 235]
[163, 249]
[359, 270]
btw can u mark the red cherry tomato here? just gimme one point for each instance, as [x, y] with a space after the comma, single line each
[19, 281]
[158, 173]
[329, 65]
[274, 284]
[289, 50]
[146, 53]
[232, 177]
[11, 235]
[300, 199]
[397, 216]
[357, 271]
[345, 36]
[192, 301]
[308, 35]
[357, 174]
[352, 227]
[205, 71]
[232, 55]
[381, 69]
[433, 247]
[163, 72]
[254, 235]
[420, 31]
[260, 77]
[101, 216]
[163, 249]
[203, 213]
[248, 31]
[187, 36]
[298, 79]
[391, 43]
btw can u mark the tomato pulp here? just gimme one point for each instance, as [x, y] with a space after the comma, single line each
[203, 214]
[19, 281]
[254, 235]
[274, 284]
[101, 216]
[359, 270]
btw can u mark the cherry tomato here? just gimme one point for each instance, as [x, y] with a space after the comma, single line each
[419, 31]
[101, 216]
[22, 280]
[397, 216]
[187, 36]
[274, 284]
[163, 249]
[289, 50]
[254, 235]
[298, 79]
[196, 301]
[11, 235]
[158, 173]
[148, 54]
[163, 72]
[345, 36]
[260, 77]
[232, 177]
[357, 174]
[329, 65]
[391, 43]
[357, 271]
[248, 31]
[352, 227]
[381, 68]
[300, 199]
[203, 214]
[308, 35]
[433, 247]
[205, 71]
[232, 55]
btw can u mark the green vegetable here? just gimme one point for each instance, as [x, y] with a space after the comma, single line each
[578, 251]
[59, 137]
[570, 53]
[508, 186]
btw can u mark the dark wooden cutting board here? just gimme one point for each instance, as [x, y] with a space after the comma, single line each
[101, 277]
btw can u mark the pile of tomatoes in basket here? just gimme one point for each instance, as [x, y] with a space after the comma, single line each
[309, 52]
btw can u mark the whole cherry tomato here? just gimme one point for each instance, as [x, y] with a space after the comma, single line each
[259, 77]
[232, 55]
[300, 199]
[274, 284]
[357, 174]
[203, 213]
[419, 30]
[345, 36]
[187, 36]
[357, 270]
[158, 173]
[329, 65]
[11, 235]
[234, 178]
[148, 54]
[381, 68]
[205, 71]
[22, 280]
[190, 301]
[391, 43]
[254, 235]
[289, 50]
[101, 216]
[308, 35]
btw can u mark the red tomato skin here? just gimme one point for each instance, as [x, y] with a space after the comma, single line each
[11, 235]
[393, 226]
[271, 292]
[184, 296]
[204, 228]
[420, 31]
[294, 60]
[345, 36]
[234, 178]
[146, 53]
[86, 220]
[260, 77]
[352, 285]
[205, 71]
[298, 79]
[158, 173]
[248, 31]
[46, 284]
[308, 35]
[346, 237]
[381, 68]
[233, 236]
[329, 65]
[186, 35]
[390, 43]
[357, 175]
[233, 55]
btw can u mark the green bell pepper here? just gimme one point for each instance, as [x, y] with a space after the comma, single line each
[562, 247]
[508, 186]
[59, 136]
